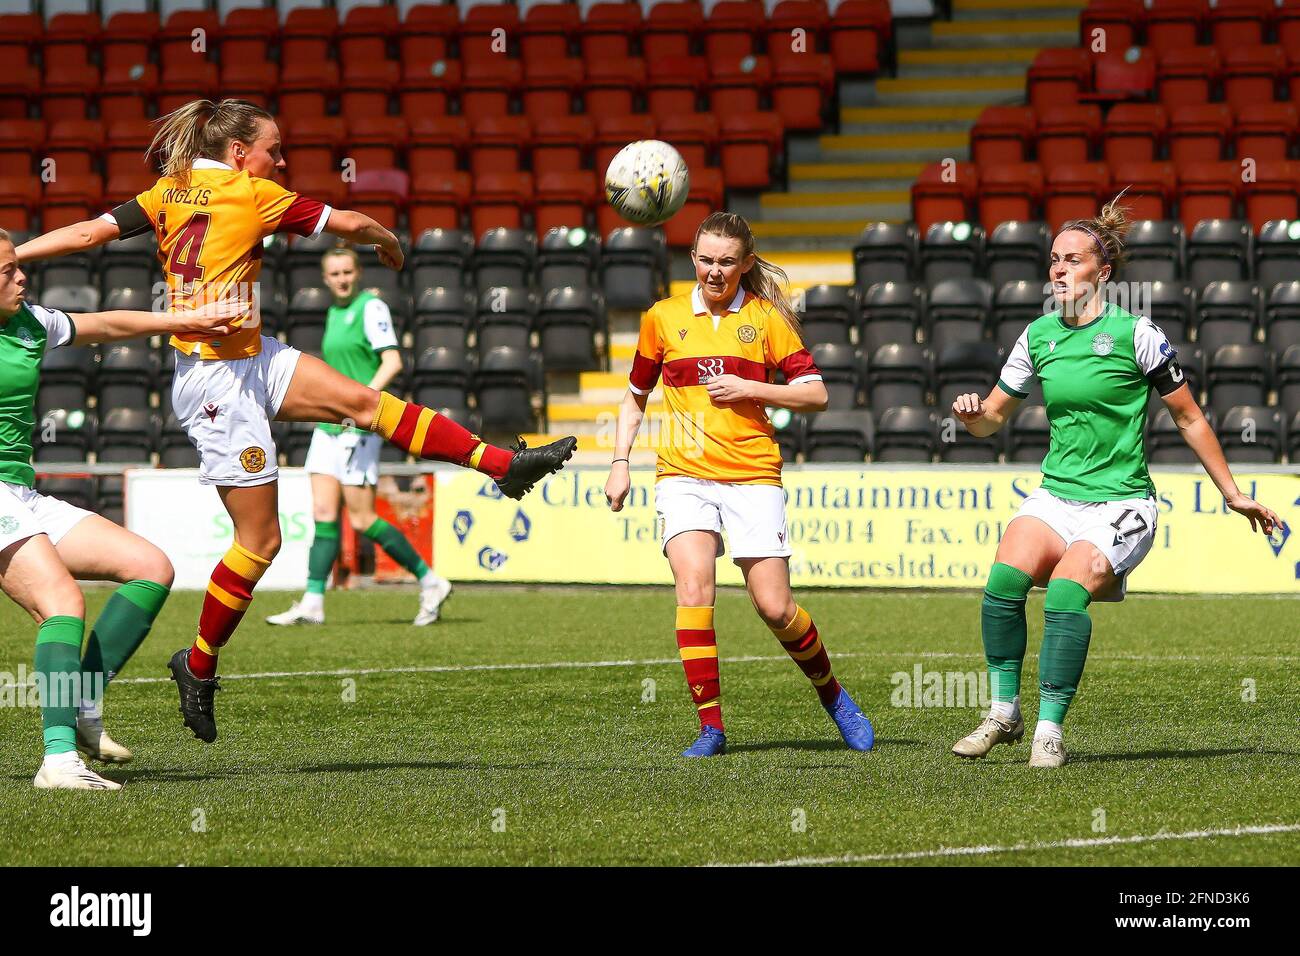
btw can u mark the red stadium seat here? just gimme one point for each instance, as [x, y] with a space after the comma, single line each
[1009, 192]
[19, 85]
[486, 31]
[1252, 74]
[1266, 131]
[367, 86]
[1111, 26]
[1151, 188]
[1186, 76]
[323, 187]
[670, 29]
[380, 194]
[488, 85]
[1287, 22]
[1068, 134]
[809, 16]
[1057, 77]
[615, 132]
[74, 145]
[612, 85]
[125, 92]
[125, 186]
[71, 199]
[1076, 191]
[125, 148]
[497, 144]
[177, 38]
[305, 88]
[545, 32]
[610, 29]
[255, 81]
[944, 192]
[1116, 76]
[17, 200]
[1274, 193]
[366, 33]
[858, 30]
[561, 143]
[438, 201]
[694, 135]
[21, 142]
[500, 201]
[438, 145]
[1134, 133]
[801, 86]
[248, 34]
[705, 197]
[186, 81]
[564, 199]
[675, 84]
[550, 86]
[70, 39]
[732, 28]
[750, 144]
[1208, 191]
[127, 39]
[312, 144]
[68, 93]
[376, 141]
[307, 35]
[1175, 24]
[1199, 134]
[20, 36]
[1235, 23]
[424, 36]
[740, 82]
[1002, 134]
[426, 90]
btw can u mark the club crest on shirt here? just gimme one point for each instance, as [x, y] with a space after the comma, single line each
[1103, 343]
[8, 524]
[25, 336]
[253, 459]
[746, 333]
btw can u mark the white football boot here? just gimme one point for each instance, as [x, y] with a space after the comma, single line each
[297, 614]
[95, 743]
[68, 772]
[1047, 752]
[431, 599]
[993, 730]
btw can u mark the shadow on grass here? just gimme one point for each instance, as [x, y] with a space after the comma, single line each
[1178, 754]
[819, 745]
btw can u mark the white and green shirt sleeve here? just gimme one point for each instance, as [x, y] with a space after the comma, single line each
[24, 340]
[59, 328]
[378, 324]
[1018, 372]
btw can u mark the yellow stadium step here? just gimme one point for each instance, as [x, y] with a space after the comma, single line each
[909, 114]
[593, 380]
[847, 197]
[589, 412]
[960, 6]
[984, 28]
[622, 351]
[950, 84]
[849, 228]
[967, 57]
[855, 171]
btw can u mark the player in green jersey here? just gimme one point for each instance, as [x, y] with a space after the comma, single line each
[1093, 518]
[343, 462]
[46, 543]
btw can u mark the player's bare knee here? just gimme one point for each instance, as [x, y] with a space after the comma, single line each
[694, 593]
[363, 403]
[360, 521]
[775, 612]
[152, 565]
[61, 598]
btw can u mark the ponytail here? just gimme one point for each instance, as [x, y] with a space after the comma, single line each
[202, 129]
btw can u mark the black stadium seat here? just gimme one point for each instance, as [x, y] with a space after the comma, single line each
[840, 366]
[1030, 435]
[174, 449]
[64, 435]
[828, 314]
[70, 298]
[504, 257]
[1219, 250]
[634, 268]
[839, 436]
[442, 377]
[905, 434]
[1015, 306]
[885, 252]
[503, 389]
[1277, 253]
[1238, 375]
[1281, 317]
[958, 312]
[67, 377]
[1251, 434]
[571, 323]
[1164, 441]
[128, 373]
[1227, 314]
[302, 261]
[952, 250]
[1288, 381]
[1018, 251]
[305, 321]
[130, 264]
[443, 316]
[965, 367]
[899, 374]
[568, 257]
[1155, 249]
[439, 259]
[504, 318]
[126, 435]
[890, 312]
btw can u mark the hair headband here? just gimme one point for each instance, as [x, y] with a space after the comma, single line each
[1105, 256]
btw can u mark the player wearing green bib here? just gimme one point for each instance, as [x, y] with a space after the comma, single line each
[344, 462]
[46, 543]
[1093, 518]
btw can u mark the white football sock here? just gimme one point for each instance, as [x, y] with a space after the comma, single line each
[1006, 709]
[1046, 728]
[313, 603]
[65, 760]
[430, 579]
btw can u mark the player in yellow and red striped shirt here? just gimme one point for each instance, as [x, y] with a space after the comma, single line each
[716, 351]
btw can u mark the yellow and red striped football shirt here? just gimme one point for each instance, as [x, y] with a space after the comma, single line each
[210, 243]
[686, 345]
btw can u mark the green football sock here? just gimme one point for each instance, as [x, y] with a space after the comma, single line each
[119, 630]
[324, 552]
[1066, 633]
[396, 547]
[58, 672]
[1002, 623]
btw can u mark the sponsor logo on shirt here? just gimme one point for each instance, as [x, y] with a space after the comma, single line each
[1103, 343]
[710, 368]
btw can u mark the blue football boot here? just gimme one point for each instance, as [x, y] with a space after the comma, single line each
[853, 724]
[709, 743]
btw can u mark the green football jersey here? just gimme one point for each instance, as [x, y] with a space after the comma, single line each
[23, 342]
[1096, 381]
[355, 334]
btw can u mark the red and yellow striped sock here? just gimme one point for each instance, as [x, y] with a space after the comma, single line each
[800, 640]
[698, 645]
[423, 432]
[230, 591]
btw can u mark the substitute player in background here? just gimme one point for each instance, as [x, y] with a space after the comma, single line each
[720, 467]
[211, 210]
[46, 543]
[1093, 519]
[344, 463]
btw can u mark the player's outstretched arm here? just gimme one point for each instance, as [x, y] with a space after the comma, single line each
[211, 318]
[1200, 438]
[619, 483]
[361, 229]
[78, 237]
[984, 418]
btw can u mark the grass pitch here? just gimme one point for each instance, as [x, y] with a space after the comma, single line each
[543, 727]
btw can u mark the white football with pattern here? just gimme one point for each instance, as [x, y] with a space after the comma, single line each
[647, 182]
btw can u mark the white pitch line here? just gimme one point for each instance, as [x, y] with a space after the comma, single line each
[955, 851]
[661, 661]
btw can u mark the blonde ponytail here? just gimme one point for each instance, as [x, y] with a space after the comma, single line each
[765, 280]
[1108, 230]
[202, 129]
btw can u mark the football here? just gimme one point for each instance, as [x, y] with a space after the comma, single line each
[647, 182]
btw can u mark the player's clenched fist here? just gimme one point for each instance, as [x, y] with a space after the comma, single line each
[968, 407]
[618, 485]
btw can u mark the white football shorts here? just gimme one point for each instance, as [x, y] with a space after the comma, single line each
[1123, 531]
[226, 406]
[351, 457]
[25, 512]
[753, 516]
